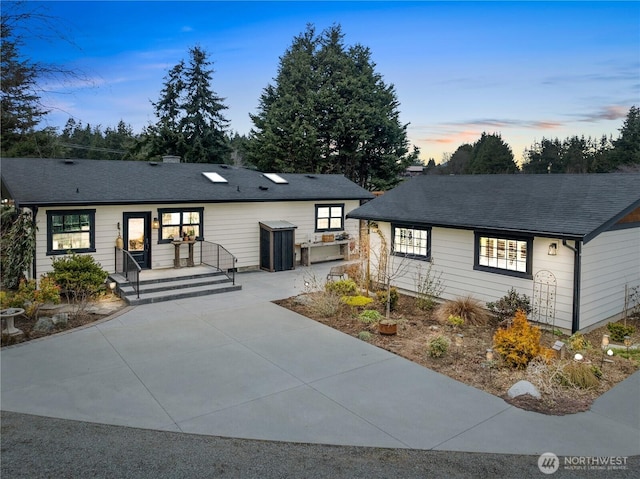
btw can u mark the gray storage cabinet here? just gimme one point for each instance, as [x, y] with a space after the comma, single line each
[277, 245]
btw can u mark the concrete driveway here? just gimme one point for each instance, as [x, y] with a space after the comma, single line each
[237, 365]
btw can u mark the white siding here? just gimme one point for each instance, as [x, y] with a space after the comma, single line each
[452, 253]
[609, 261]
[233, 225]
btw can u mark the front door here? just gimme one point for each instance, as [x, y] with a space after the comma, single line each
[137, 237]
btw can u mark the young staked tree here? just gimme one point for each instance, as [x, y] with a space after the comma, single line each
[189, 112]
[330, 112]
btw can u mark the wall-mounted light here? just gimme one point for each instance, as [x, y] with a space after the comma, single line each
[553, 249]
[155, 224]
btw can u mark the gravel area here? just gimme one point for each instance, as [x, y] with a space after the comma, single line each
[39, 447]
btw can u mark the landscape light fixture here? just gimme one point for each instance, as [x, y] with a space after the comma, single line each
[489, 355]
[627, 343]
[553, 249]
[155, 224]
[459, 339]
[605, 340]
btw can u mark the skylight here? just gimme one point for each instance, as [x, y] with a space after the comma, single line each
[276, 178]
[214, 177]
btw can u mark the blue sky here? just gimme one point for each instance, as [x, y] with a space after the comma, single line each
[526, 70]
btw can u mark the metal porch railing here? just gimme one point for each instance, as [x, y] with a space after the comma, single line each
[217, 256]
[129, 268]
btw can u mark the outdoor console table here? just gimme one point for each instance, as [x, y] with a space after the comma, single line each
[305, 251]
[8, 315]
[176, 245]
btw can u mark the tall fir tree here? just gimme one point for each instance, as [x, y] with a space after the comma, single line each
[190, 122]
[330, 112]
[626, 148]
[20, 104]
[491, 155]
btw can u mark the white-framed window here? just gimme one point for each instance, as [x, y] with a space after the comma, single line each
[503, 254]
[175, 222]
[330, 217]
[70, 230]
[412, 241]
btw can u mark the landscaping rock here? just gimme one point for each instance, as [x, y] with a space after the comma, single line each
[523, 387]
[44, 325]
[60, 319]
[303, 299]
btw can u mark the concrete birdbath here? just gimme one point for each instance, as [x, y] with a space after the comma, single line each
[7, 315]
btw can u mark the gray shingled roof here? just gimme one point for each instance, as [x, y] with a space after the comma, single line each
[566, 206]
[59, 182]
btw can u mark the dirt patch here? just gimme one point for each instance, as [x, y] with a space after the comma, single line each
[468, 363]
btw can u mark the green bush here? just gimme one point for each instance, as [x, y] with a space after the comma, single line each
[356, 301]
[438, 346]
[393, 294]
[369, 316]
[507, 306]
[30, 297]
[344, 287]
[80, 277]
[455, 320]
[365, 335]
[618, 331]
[577, 342]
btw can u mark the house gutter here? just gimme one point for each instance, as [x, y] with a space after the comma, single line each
[577, 270]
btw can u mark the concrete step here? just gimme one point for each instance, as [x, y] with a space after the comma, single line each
[170, 288]
[169, 295]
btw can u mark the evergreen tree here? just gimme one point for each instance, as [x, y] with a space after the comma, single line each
[491, 155]
[626, 149]
[190, 120]
[544, 157]
[20, 104]
[458, 163]
[330, 112]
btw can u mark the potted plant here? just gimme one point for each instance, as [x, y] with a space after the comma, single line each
[191, 234]
[388, 327]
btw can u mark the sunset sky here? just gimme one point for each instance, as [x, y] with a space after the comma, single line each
[526, 70]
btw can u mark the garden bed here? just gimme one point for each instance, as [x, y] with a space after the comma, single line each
[468, 363]
[97, 309]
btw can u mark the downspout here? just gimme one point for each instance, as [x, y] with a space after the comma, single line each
[577, 269]
[34, 212]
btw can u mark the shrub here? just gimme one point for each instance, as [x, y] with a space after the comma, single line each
[393, 295]
[577, 342]
[356, 301]
[579, 375]
[369, 316]
[354, 271]
[438, 346]
[365, 335]
[325, 304]
[467, 308]
[455, 321]
[618, 331]
[429, 287]
[80, 276]
[519, 343]
[507, 306]
[31, 298]
[344, 287]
